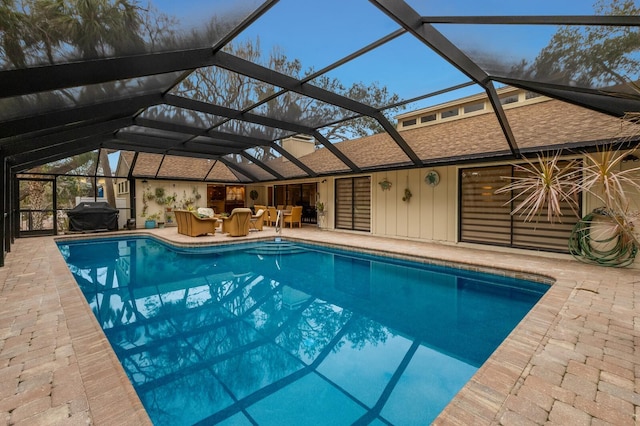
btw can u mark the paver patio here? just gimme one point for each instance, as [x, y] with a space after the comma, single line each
[574, 360]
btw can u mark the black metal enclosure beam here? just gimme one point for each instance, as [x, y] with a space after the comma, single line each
[206, 108]
[294, 160]
[590, 20]
[170, 127]
[335, 151]
[59, 150]
[404, 146]
[25, 161]
[4, 219]
[64, 136]
[154, 142]
[222, 111]
[19, 82]
[502, 119]
[220, 143]
[212, 149]
[134, 146]
[260, 164]
[241, 172]
[406, 17]
[150, 144]
[614, 104]
[258, 72]
[9, 203]
[426, 33]
[216, 144]
[43, 78]
[62, 117]
[37, 138]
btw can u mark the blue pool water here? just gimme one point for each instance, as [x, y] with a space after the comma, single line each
[292, 334]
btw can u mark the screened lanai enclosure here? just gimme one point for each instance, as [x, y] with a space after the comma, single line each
[99, 93]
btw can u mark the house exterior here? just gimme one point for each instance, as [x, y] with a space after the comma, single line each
[452, 201]
[455, 134]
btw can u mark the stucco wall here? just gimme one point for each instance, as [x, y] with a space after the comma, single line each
[181, 189]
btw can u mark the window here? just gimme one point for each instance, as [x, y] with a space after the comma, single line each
[123, 187]
[449, 113]
[409, 122]
[509, 99]
[353, 203]
[428, 118]
[473, 107]
[485, 217]
[531, 95]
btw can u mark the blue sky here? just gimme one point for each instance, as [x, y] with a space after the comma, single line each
[319, 32]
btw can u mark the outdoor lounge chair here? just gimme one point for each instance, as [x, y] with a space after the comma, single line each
[294, 217]
[237, 224]
[191, 224]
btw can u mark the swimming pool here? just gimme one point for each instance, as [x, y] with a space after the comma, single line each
[289, 333]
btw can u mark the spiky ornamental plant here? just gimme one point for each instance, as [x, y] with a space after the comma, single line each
[604, 180]
[606, 236]
[543, 185]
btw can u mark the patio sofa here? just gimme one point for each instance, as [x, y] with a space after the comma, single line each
[191, 224]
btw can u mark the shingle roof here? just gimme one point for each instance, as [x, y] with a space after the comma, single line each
[551, 124]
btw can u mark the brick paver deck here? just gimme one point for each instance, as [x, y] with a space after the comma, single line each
[574, 360]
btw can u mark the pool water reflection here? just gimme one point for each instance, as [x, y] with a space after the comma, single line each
[266, 333]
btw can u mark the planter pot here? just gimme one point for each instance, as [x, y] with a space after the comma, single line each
[603, 235]
[321, 218]
[161, 225]
[597, 239]
[149, 224]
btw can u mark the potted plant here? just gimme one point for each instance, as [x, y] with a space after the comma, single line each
[320, 208]
[195, 193]
[407, 195]
[150, 221]
[160, 196]
[170, 202]
[605, 236]
[147, 196]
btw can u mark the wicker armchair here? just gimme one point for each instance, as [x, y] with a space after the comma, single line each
[237, 224]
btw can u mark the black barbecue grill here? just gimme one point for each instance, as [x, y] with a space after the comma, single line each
[98, 216]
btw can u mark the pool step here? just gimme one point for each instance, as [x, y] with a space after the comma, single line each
[273, 247]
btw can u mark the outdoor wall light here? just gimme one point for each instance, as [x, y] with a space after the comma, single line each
[630, 157]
